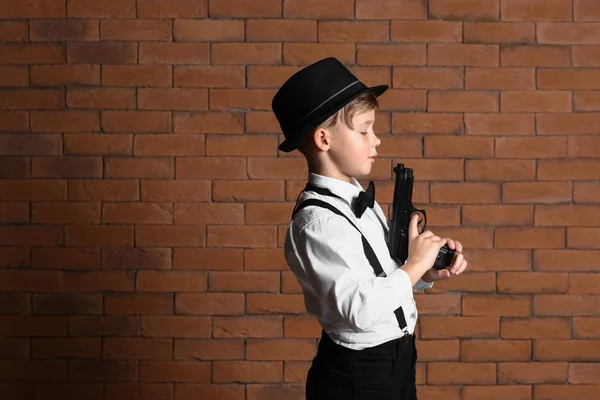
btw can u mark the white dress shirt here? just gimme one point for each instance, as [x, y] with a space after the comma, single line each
[326, 255]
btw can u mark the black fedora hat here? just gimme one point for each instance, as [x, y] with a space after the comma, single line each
[312, 95]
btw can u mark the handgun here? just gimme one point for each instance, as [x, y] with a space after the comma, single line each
[402, 211]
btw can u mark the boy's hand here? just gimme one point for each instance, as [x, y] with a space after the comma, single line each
[422, 248]
[458, 265]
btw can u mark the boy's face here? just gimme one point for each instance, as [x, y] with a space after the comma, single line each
[353, 151]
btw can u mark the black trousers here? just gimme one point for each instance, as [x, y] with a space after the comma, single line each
[384, 372]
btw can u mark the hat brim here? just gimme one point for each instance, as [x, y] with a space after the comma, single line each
[290, 144]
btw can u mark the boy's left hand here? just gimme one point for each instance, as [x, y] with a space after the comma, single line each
[458, 265]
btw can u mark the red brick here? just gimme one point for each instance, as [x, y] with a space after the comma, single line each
[211, 259]
[532, 282]
[15, 348]
[532, 372]
[439, 373]
[536, 192]
[583, 373]
[97, 144]
[268, 213]
[248, 327]
[68, 304]
[426, 123]
[280, 349]
[534, 147]
[248, 190]
[534, 101]
[208, 30]
[170, 236]
[103, 98]
[190, 391]
[49, 30]
[98, 281]
[43, 348]
[399, 146]
[138, 391]
[584, 146]
[554, 304]
[581, 79]
[65, 213]
[585, 56]
[175, 326]
[465, 193]
[247, 371]
[353, 31]
[208, 214]
[209, 349]
[500, 170]
[174, 53]
[32, 53]
[32, 281]
[434, 327]
[14, 121]
[583, 238]
[499, 124]
[94, 235]
[138, 213]
[172, 8]
[296, 371]
[566, 350]
[35, 144]
[499, 78]
[403, 100]
[171, 281]
[175, 371]
[289, 30]
[498, 259]
[209, 304]
[306, 53]
[103, 190]
[244, 9]
[176, 191]
[275, 303]
[499, 32]
[135, 30]
[209, 122]
[105, 9]
[139, 303]
[566, 392]
[103, 370]
[391, 54]
[502, 306]
[136, 121]
[136, 258]
[242, 236]
[485, 10]
[425, 31]
[586, 100]
[497, 215]
[14, 31]
[535, 328]
[30, 235]
[209, 76]
[495, 350]
[173, 99]
[33, 325]
[390, 9]
[245, 53]
[64, 257]
[14, 213]
[102, 53]
[210, 168]
[567, 33]
[289, 283]
[248, 281]
[56, 167]
[137, 75]
[586, 327]
[32, 99]
[168, 145]
[586, 10]
[558, 170]
[17, 257]
[534, 56]
[65, 121]
[264, 260]
[427, 78]
[586, 192]
[537, 10]
[138, 167]
[545, 238]
[471, 55]
[446, 304]
[566, 260]
[14, 76]
[56, 75]
[47, 9]
[461, 101]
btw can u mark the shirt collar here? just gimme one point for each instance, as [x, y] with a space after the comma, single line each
[346, 190]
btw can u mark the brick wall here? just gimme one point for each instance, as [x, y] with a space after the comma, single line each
[143, 202]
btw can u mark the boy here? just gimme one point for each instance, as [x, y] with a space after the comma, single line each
[336, 242]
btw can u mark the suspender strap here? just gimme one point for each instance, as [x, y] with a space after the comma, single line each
[369, 253]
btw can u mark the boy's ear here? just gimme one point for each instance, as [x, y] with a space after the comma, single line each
[322, 138]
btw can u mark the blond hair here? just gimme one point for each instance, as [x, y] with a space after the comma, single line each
[363, 103]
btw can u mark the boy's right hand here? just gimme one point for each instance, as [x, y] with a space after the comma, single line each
[422, 248]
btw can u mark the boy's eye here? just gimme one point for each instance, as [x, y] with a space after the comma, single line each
[364, 133]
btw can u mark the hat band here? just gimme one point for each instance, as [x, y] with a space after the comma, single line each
[327, 100]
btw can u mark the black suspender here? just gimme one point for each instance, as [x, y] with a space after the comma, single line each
[369, 253]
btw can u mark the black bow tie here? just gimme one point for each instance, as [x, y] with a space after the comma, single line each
[365, 199]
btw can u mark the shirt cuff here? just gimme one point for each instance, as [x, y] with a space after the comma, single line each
[422, 285]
